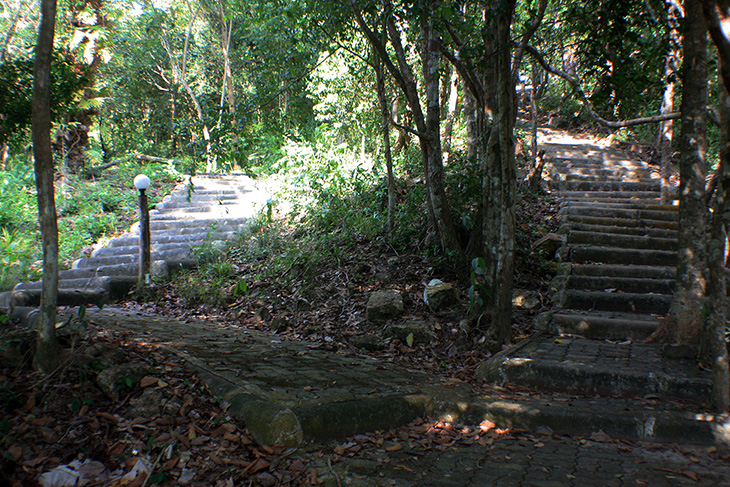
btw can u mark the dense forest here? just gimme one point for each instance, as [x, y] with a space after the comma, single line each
[434, 104]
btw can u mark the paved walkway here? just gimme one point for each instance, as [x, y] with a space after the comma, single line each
[292, 393]
[530, 461]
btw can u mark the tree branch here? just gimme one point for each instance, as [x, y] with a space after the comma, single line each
[717, 13]
[520, 52]
[587, 104]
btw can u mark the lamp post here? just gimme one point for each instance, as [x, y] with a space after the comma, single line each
[142, 182]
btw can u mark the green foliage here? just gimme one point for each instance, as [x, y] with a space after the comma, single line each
[478, 292]
[16, 92]
[88, 211]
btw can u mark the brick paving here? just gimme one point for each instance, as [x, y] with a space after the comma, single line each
[534, 461]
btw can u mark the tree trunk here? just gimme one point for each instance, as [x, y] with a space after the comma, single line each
[431, 138]
[666, 128]
[73, 141]
[428, 126]
[714, 350]
[452, 113]
[46, 356]
[385, 122]
[684, 322]
[714, 347]
[179, 71]
[472, 131]
[499, 183]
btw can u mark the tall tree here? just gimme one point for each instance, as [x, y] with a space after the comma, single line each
[486, 69]
[428, 123]
[671, 65]
[714, 343]
[46, 357]
[684, 322]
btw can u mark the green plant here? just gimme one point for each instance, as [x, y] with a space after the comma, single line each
[477, 290]
[78, 402]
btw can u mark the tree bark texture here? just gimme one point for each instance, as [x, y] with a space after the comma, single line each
[385, 124]
[671, 65]
[499, 180]
[46, 356]
[452, 112]
[431, 57]
[684, 322]
[714, 345]
[428, 124]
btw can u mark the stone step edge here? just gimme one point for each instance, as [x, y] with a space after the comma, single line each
[595, 326]
[573, 377]
[632, 424]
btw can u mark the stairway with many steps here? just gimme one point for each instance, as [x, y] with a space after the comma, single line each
[205, 208]
[620, 245]
[616, 279]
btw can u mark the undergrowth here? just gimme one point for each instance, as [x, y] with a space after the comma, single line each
[89, 210]
[334, 217]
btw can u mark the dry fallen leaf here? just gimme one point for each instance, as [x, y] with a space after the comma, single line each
[394, 447]
[148, 381]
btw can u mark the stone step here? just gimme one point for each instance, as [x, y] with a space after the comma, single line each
[618, 270]
[604, 301]
[587, 254]
[568, 227]
[199, 225]
[197, 197]
[620, 162]
[608, 196]
[168, 237]
[647, 205]
[156, 248]
[621, 222]
[79, 284]
[184, 205]
[603, 186]
[597, 325]
[175, 259]
[635, 178]
[106, 271]
[623, 241]
[164, 210]
[73, 292]
[601, 170]
[614, 284]
[593, 367]
[227, 230]
[639, 214]
[199, 191]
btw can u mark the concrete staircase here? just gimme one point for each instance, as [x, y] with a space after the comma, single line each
[620, 245]
[616, 283]
[205, 208]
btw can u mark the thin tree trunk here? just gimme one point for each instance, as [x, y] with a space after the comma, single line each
[714, 346]
[180, 75]
[666, 128]
[46, 356]
[684, 322]
[534, 78]
[428, 127]
[431, 55]
[385, 124]
[452, 113]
